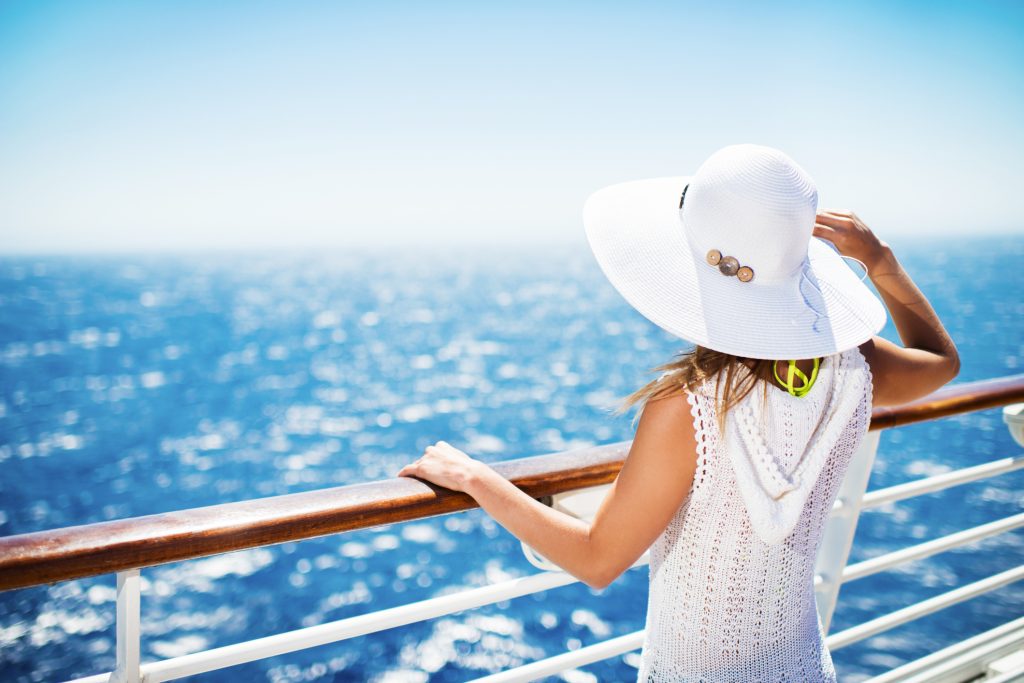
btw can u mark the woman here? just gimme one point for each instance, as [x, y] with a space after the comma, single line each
[738, 456]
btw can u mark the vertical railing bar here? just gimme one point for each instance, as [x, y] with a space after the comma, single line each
[128, 628]
[840, 528]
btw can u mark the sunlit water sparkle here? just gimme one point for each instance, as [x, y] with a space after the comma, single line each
[132, 385]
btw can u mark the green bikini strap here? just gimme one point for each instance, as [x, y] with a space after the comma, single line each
[793, 369]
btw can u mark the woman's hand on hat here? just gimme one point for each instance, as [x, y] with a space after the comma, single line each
[851, 236]
[444, 465]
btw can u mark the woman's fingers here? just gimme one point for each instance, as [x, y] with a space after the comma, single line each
[441, 448]
[833, 220]
[414, 467]
[410, 468]
[850, 235]
[441, 464]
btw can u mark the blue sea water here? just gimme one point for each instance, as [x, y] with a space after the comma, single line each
[138, 384]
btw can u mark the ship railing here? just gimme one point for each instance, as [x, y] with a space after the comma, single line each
[126, 547]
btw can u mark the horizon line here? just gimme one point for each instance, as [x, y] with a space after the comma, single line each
[408, 245]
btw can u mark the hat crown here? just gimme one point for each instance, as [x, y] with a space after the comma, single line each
[753, 203]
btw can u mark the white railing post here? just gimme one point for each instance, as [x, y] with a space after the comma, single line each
[128, 628]
[840, 527]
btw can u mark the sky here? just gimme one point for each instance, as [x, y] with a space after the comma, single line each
[227, 125]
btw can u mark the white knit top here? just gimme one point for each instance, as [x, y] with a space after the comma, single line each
[732, 575]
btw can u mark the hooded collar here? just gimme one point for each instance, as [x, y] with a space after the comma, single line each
[774, 487]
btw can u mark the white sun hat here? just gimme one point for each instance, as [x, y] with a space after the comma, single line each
[726, 259]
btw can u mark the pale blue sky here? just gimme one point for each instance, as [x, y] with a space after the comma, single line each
[142, 125]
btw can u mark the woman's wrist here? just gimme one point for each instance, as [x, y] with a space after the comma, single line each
[475, 476]
[882, 261]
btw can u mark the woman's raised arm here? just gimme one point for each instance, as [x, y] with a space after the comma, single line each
[930, 358]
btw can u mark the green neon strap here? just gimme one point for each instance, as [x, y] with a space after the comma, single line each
[793, 369]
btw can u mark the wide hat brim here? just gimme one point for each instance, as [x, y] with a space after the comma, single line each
[636, 232]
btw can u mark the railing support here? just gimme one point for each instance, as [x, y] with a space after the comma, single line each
[126, 545]
[941, 482]
[128, 627]
[343, 629]
[606, 649]
[840, 527]
[922, 608]
[852, 572]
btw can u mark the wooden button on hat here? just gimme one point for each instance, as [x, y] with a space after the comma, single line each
[727, 265]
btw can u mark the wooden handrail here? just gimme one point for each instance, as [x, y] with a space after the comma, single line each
[79, 551]
[952, 400]
[104, 547]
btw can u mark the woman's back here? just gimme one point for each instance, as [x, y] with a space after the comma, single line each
[732, 576]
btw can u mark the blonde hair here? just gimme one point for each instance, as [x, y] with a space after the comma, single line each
[735, 377]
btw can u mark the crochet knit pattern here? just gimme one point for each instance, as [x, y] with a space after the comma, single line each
[732, 575]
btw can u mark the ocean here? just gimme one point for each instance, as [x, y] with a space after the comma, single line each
[138, 384]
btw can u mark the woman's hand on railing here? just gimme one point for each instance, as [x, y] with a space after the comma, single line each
[444, 465]
[653, 482]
